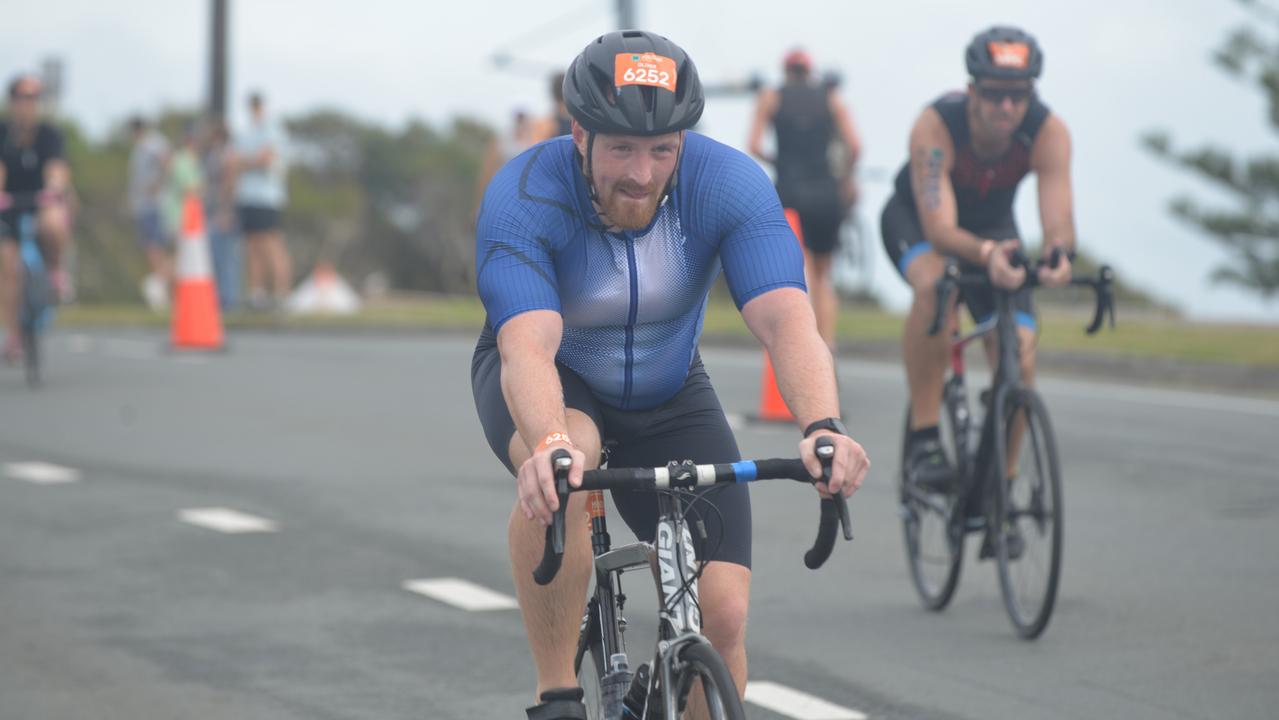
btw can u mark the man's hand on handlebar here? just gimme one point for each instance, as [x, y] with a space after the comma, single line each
[1000, 266]
[536, 481]
[1056, 272]
[848, 467]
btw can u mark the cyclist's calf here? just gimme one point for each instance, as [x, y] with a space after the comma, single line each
[724, 592]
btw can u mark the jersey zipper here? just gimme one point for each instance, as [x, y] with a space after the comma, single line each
[630, 325]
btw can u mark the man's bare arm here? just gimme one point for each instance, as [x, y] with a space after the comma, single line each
[783, 321]
[932, 155]
[765, 108]
[530, 382]
[1050, 160]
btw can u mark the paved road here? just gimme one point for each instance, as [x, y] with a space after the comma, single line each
[364, 456]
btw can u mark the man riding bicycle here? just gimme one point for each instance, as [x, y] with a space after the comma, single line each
[31, 165]
[595, 253]
[953, 201]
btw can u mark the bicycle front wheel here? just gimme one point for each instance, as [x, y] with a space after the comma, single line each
[934, 552]
[1027, 512]
[699, 661]
[603, 700]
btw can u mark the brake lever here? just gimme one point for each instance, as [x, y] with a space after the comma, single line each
[826, 454]
[553, 550]
[561, 461]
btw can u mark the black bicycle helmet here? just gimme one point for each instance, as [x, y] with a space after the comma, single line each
[1004, 52]
[633, 82]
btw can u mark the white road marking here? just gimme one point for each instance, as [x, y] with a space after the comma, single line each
[226, 520]
[131, 349]
[461, 593]
[793, 703]
[41, 473]
[79, 343]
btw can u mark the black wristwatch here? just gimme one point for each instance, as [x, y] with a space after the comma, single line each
[833, 424]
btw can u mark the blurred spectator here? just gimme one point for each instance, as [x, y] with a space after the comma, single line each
[260, 197]
[559, 122]
[807, 116]
[503, 147]
[147, 171]
[185, 178]
[219, 208]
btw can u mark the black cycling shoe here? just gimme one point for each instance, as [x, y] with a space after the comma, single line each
[1016, 544]
[928, 468]
[559, 704]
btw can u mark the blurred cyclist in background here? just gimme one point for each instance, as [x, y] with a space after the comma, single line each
[32, 164]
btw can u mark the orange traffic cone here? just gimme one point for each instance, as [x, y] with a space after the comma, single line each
[197, 323]
[772, 407]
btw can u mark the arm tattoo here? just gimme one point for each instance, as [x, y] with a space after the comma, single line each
[932, 179]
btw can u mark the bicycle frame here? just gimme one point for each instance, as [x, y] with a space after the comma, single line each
[973, 463]
[674, 566]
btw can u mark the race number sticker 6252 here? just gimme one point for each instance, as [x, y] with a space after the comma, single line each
[644, 69]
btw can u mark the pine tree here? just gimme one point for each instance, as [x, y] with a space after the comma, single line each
[1250, 230]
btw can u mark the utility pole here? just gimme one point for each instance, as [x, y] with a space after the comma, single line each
[626, 15]
[217, 61]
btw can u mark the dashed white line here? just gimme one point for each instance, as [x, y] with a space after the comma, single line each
[131, 349]
[799, 705]
[226, 520]
[79, 343]
[462, 594]
[41, 473]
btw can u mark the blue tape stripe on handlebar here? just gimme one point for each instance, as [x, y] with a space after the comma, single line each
[744, 470]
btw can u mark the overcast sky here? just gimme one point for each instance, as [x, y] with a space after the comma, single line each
[1113, 69]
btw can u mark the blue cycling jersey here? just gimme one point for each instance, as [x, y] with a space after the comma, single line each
[633, 302]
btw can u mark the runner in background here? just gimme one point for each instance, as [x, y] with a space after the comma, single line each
[807, 117]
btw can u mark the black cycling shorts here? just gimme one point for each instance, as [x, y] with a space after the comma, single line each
[689, 426]
[258, 219]
[820, 209]
[9, 223]
[904, 240]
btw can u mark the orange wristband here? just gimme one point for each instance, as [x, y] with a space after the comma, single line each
[549, 440]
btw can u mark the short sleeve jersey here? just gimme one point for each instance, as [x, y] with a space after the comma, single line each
[633, 302]
[24, 164]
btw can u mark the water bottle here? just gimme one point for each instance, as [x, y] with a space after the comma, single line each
[614, 686]
[633, 704]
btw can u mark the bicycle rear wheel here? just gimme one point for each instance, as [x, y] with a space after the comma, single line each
[699, 661]
[1027, 513]
[934, 552]
[31, 355]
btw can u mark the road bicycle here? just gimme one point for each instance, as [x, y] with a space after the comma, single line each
[36, 303]
[1007, 473]
[683, 656]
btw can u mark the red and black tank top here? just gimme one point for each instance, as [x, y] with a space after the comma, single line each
[984, 190]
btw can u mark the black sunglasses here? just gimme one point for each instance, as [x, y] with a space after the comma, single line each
[999, 94]
[25, 96]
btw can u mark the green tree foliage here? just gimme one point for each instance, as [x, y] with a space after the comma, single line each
[369, 199]
[1250, 231]
[400, 203]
